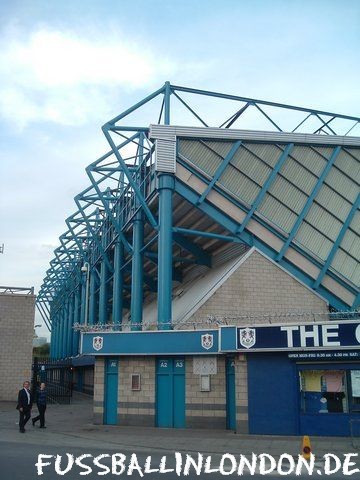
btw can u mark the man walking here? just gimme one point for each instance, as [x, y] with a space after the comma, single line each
[41, 404]
[24, 405]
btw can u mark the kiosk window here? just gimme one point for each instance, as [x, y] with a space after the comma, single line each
[324, 391]
[355, 390]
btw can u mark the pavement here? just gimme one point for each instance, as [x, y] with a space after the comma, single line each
[71, 426]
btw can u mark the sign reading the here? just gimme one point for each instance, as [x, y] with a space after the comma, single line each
[329, 335]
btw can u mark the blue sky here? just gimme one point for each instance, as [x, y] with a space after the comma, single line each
[67, 67]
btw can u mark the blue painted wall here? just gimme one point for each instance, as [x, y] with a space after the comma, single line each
[273, 395]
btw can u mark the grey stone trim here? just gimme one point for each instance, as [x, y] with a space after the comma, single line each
[167, 132]
[206, 422]
[136, 405]
[136, 420]
[242, 409]
[98, 403]
[242, 426]
[205, 406]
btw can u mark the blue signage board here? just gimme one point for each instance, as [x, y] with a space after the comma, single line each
[316, 336]
[173, 342]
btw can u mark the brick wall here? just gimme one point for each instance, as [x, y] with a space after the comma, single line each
[206, 409]
[241, 394]
[137, 407]
[17, 314]
[99, 377]
[134, 407]
[259, 286]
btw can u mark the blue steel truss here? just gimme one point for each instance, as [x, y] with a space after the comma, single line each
[126, 241]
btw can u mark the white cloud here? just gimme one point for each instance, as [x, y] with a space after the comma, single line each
[61, 77]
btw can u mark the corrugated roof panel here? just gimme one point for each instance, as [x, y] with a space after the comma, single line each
[356, 275]
[298, 175]
[277, 213]
[324, 151]
[200, 156]
[355, 152]
[342, 184]
[323, 221]
[222, 148]
[269, 153]
[351, 243]
[333, 202]
[355, 223]
[251, 166]
[310, 159]
[349, 165]
[288, 194]
[239, 185]
[313, 241]
[347, 266]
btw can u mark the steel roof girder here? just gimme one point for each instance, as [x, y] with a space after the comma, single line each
[251, 240]
[309, 202]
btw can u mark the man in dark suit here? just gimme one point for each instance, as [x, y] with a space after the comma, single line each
[24, 405]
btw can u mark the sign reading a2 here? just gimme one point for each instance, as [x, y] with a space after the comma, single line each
[163, 364]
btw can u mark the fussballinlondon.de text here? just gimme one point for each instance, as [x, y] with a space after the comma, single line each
[185, 464]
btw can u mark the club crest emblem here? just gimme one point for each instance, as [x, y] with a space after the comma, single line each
[98, 343]
[207, 341]
[247, 337]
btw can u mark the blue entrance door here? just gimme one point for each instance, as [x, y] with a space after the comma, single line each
[111, 391]
[170, 392]
[230, 394]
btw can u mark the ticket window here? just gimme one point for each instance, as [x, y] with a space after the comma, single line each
[354, 390]
[324, 391]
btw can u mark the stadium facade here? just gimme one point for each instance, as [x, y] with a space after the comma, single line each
[212, 268]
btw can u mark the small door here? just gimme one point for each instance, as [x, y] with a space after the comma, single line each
[111, 391]
[230, 394]
[170, 392]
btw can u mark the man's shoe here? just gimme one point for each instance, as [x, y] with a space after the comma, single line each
[43, 426]
[22, 431]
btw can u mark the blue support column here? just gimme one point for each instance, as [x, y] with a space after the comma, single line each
[52, 336]
[356, 303]
[309, 202]
[66, 328]
[167, 94]
[118, 283]
[60, 341]
[166, 188]
[287, 151]
[103, 297]
[70, 321]
[92, 298]
[55, 329]
[220, 170]
[59, 338]
[338, 241]
[75, 333]
[63, 331]
[137, 274]
[84, 298]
